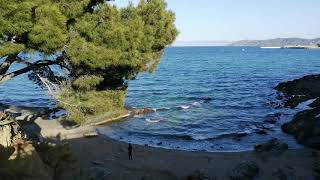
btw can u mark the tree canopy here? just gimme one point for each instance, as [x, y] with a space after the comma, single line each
[99, 45]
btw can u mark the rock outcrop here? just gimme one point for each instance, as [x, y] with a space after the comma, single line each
[300, 90]
[305, 125]
[10, 131]
[23, 159]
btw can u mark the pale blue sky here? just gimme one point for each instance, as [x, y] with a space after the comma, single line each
[212, 20]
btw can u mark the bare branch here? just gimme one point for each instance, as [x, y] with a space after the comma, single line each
[32, 66]
[7, 63]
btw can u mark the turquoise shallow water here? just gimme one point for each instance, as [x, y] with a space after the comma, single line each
[207, 98]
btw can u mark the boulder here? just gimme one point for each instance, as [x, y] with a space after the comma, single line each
[305, 127]
[246, 170]
[300, 90]
[142, 111]
[272, 146]
[3, 116]
[272, 118]
[10, 131]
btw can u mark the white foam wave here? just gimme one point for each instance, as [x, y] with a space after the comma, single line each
[152, 121]
[184, 107]
[197, 104]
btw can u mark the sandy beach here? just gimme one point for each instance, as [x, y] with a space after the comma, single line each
[156, 163]
[109, 158]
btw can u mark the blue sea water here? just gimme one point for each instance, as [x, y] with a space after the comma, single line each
[207, 98]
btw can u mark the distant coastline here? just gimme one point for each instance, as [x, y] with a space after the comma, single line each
[277, 42]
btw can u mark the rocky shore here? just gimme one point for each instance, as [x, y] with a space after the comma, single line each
[34, 147]
[39, 148]
[305, 126]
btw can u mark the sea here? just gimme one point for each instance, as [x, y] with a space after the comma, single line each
[205, 98]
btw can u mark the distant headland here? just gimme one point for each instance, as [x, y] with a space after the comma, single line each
[279, 42]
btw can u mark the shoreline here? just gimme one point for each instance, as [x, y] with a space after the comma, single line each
[159, 163]
[101, 157]
[104, 155]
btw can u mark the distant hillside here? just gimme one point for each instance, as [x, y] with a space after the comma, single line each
[277, 42]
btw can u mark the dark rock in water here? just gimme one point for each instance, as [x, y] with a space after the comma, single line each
[160, 143]
[272, 118]
[264, 127]
[300, 90]
[276, 105]
[315, 104]
[305, 127]
[246, 170]
[272, 146]
[261, 131]
[294, 101]
[207, 99]
[142, 111]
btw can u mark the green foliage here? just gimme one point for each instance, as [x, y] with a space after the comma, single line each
[102, 45]
[82, 107]
[318, 45]
[11, 48]
[49, 32]
[86, 82]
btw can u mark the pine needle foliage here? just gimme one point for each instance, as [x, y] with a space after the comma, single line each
[100, 45]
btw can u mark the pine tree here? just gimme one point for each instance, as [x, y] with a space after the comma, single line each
[99, 46]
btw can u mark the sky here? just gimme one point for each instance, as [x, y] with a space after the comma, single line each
[230, 20]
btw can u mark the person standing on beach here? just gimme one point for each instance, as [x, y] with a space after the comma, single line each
[130, 151]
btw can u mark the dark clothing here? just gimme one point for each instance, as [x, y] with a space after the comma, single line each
[130, 151]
